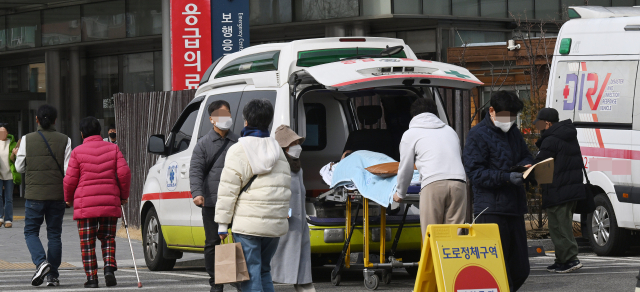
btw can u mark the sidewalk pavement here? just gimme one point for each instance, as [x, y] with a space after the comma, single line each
[14, 254]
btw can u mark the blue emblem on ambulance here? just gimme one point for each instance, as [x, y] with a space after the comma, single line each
[172, 176]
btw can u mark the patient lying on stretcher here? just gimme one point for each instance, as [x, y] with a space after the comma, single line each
[351, 173]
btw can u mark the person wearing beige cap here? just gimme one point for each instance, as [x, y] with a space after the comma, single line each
[292, 262]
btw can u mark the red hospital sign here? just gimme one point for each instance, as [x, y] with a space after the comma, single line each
[190, 42]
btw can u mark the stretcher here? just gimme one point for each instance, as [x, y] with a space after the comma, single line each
[387, 261]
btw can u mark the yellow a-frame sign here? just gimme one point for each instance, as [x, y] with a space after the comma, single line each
[462, 263]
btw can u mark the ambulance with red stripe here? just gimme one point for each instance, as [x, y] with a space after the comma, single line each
[333, 91]
[594, 82]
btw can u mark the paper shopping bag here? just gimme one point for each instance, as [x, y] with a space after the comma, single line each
[230, 266]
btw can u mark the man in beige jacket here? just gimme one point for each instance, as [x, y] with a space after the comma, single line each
[257, 164]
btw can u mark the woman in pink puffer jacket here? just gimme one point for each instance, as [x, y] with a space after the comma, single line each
[96, 185]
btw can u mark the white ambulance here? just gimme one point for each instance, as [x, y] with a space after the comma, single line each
[594, 82]
[323, 96]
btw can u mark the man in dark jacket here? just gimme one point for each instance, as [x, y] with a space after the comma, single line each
[559, 141]
[207, 162]
[493, 148]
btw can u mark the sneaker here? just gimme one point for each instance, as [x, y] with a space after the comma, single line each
[8, 224]
[552, 268]
[216, 288]
[52, 281]
[569, 267]
[91, 284]
[41, 271]
[109, 277]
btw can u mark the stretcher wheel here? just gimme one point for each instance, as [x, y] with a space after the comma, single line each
[372, 282]
[335, 278]
[386, 277]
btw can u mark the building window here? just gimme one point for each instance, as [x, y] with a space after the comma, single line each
[103, 84]
[270, 11]
[436, 7]
[376, 7]
[3, 34]
[104, 20]
[139, 72]
[550, 10]
[471, 37]
[23, 30]
[494, 8]
[465, 7]
[420, 41]
[605, 3]
[325, 9]
[407, 6]
[37, 78]
[623, 3]
[521, 9]
[61, 26]
[144, 17]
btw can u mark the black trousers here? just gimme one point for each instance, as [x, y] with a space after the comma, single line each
[211, 240]
[513, 235]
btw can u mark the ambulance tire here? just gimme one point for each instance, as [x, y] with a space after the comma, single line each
[618, 241]
[153, 244]
[372, 282]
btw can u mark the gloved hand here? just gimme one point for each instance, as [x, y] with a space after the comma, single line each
[516, 178]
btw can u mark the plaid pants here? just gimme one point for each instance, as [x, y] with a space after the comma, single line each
[105, 229]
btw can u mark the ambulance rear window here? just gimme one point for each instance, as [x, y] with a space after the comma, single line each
[267, 61]
[319, 57]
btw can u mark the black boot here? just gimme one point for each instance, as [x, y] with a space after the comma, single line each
[91, 283]
[109, 277]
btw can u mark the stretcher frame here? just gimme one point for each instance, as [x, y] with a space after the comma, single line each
[371, 280]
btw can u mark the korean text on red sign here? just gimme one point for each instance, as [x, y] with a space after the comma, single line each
[190, 42]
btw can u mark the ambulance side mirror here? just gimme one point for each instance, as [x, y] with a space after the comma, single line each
[156, 145]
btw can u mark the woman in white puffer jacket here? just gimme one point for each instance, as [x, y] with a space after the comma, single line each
[259, 214]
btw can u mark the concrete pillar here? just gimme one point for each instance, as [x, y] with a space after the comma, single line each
[54, 88]
[74, 111]
[334, 30]
[166, 45]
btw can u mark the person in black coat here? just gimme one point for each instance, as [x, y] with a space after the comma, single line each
[495, 146]
[205, 169]
[559, 141]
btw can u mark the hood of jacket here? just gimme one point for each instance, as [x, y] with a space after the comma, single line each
[563, 130]
[262, 153]
[426, 121]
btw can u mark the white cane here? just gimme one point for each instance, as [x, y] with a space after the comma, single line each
[126, 227]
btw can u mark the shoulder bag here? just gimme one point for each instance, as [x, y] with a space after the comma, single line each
[587, 205]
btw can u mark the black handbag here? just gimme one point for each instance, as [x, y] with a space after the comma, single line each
[587, 205]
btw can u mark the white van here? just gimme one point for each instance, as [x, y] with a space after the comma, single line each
[594, 82]
[323, 96]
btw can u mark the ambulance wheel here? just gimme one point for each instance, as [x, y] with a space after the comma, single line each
[153, 244]
[335, 278]
[386, 277]
[605, 236]
[372, 282]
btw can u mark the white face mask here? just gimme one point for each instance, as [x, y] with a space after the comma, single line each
[223, 123]
[503, 126]
[295, 151]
